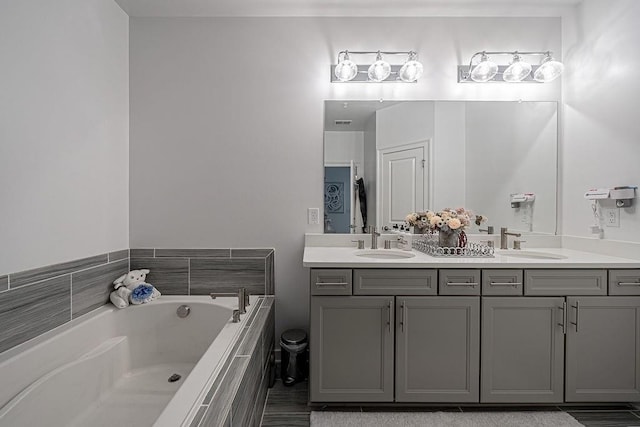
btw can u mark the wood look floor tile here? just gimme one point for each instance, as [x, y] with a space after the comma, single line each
[285, 420]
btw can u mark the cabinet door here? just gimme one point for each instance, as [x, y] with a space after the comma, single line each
[351, 349]
[603, 349]
[522, 350]
[437, 349]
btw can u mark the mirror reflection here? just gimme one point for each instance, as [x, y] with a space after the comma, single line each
[383, 160]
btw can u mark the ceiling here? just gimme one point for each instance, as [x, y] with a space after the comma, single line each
[358, 112]
[370, 8]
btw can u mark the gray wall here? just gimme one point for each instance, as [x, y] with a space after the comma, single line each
[232, 157]
[64, 131]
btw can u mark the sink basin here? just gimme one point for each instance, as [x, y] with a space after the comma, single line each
[532, 255]
[384, 254]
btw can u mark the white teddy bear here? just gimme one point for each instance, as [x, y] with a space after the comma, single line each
[131, 288]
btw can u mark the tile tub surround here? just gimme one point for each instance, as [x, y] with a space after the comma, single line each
[35, 301]
[203, 271]
[238, 395]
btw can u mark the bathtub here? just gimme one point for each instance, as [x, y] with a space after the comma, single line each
[111, 367]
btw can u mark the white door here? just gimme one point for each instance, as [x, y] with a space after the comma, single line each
[402, 179]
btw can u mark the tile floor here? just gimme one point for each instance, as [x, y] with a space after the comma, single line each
[287, 406]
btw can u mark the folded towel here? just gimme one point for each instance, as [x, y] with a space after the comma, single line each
[141, 294]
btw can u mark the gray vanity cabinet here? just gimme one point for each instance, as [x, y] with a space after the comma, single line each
[603, 349]
[351, 345]
[437, 349]
[522, 350]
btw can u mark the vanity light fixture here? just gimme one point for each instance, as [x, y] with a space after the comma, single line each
[548, 70]
[346, 69]
[482, 70]
[378, 71]
[517, 71]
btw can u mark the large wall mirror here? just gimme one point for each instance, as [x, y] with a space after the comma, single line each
[383, 160]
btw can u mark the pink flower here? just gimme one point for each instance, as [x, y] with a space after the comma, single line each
[454, 223]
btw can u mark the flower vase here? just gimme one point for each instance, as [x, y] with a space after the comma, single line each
[448, 239]
[417, 230]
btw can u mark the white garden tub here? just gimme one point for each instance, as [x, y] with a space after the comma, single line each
[111, 367]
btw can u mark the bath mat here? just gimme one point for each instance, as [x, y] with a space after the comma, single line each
[443, 419]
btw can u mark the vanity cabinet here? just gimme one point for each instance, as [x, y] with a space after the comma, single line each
[435, 340]
[522, 350]
[351, 345]
[437, 349]
[504, 336]
[603, 349]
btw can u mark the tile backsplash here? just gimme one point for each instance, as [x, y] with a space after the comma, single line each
[202, 271]
[35, 301]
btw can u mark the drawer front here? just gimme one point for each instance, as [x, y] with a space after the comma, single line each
[624, 282]
[331, 282]
[459, 282]
[565, 282]
[502, 282]
[381, 281]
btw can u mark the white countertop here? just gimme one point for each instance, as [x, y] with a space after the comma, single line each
[345, 257]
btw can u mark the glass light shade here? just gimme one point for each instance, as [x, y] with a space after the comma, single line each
[484, 71]
[379, 70]
[549, 70]
[346, 70]
[517, 71]
[411, 71]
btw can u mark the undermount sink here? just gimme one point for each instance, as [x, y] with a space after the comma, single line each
[384, 254]
[532, 255]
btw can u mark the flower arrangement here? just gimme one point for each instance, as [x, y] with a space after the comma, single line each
[445, 220]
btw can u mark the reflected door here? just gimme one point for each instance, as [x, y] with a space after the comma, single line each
[402, 178]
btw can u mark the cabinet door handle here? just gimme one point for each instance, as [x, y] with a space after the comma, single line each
[471, 284]
[514, 284]
[628, 283]
[577, 307]
[389, 315]
[321, 284]
[564, 318]
[402, 316]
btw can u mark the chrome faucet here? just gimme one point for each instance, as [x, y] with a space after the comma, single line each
[504, 244]
[242, 295]
[488, 230]
[374, 237]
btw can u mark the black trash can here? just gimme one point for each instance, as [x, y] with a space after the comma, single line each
[295, 360]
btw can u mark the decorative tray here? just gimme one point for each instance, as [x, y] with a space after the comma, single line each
[428, 243]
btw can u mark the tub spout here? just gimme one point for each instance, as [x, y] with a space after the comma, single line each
[242, 295]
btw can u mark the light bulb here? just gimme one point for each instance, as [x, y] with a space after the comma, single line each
[549, 70]
[379, 70]
[411, 70]
[346, 69]
[517, 71]
[484, 71]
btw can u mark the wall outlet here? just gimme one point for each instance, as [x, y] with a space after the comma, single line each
[612, 217]
[313, 216]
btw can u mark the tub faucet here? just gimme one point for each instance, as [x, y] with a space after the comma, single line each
[504, 239]
[374, 237]
[242, 295]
